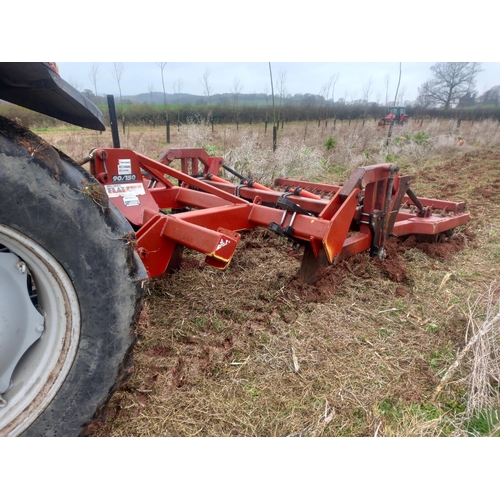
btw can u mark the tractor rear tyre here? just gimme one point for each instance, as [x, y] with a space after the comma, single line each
[70, 291]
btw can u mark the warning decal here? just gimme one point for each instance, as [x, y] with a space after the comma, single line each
[124, 167]
[131, 190]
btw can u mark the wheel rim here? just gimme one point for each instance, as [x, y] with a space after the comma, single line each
[44, 365]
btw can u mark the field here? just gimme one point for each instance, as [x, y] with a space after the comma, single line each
[406, 346]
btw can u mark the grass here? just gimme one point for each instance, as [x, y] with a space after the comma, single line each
[252, 352]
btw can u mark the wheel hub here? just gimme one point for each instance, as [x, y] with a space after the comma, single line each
[20, 323]
[39, 329]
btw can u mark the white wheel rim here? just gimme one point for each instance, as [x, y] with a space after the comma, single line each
[43, 368]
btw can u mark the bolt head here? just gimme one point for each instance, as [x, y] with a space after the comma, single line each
[21, 266]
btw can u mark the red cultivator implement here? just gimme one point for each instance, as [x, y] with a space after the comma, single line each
[71, 283]
[195, 208]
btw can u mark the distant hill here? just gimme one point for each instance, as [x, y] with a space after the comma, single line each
[191, 99]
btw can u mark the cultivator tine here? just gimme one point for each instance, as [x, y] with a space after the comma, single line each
[310, 264]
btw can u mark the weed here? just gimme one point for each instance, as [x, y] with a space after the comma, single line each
[330, 143]
[200, 322]
[441, 357]
[384, 333]
[211, 149]
[218, 325]
[432, 328]
[252, 391]
[387, 407]
[420, 137]
[483, 423]
[414, 417]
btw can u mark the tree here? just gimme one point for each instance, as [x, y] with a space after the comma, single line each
[389, 133]
[325, 92]
[451, 82]
[469, 99]
[266, 95]
[387, 81]
[282, 93]
[207, 89]
[167, 119]
[308, 100]
[367, 90]
[153, 114]
[94, 76]
[275, 127]
[401, 99]
[491, 96]
[237, 88]
[117, 74]
[88, 94]
[177, 88]
[333, 82]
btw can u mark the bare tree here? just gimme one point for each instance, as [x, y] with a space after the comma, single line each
[177, 88]
[367, 90]
[452, 80]
[237, 88]
[275, 127]
[401, 99]
[389, 133]
[324, 92]
[387, 81]
[328, 87]
[162, 65]
[491, 96]
[117, 74]
[333, 81]
[207, 89]
[94, 76]
[266, 95]
[282, 90]
[151, 90]
[75, 84]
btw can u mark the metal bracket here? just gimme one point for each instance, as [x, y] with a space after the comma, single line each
[287, 206]
[290, 206]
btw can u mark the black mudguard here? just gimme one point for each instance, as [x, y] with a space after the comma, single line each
[36, 86]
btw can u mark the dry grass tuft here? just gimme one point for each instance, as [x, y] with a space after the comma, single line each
[478, 365]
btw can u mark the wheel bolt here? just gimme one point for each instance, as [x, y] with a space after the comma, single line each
[21, 266]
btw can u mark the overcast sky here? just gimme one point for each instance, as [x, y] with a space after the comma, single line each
[353, 79]
[315, 39]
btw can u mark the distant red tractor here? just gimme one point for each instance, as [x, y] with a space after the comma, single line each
[395, 114]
